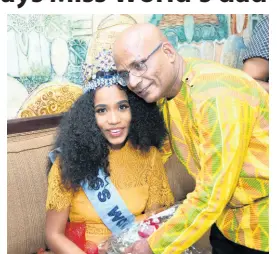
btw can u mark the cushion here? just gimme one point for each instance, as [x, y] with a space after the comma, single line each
[180, 181]
[181, 184]
[27, 190]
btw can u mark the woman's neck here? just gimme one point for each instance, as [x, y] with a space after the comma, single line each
[118, 146]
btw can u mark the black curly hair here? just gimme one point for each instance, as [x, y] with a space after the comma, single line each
[83, 147]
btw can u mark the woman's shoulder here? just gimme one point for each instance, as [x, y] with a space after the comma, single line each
[55, 170]
[58, 197]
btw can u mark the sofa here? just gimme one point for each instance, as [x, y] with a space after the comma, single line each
[28, 143]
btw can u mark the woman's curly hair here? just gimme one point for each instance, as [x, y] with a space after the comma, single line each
[84, 149]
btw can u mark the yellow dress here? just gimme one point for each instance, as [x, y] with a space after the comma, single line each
[139, 177]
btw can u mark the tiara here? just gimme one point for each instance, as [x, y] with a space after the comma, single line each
[101, 73]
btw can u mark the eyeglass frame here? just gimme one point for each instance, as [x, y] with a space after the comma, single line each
[124, 80]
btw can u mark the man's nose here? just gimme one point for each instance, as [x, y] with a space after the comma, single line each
[133, 81]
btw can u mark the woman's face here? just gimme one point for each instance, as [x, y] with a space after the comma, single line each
[113, 114]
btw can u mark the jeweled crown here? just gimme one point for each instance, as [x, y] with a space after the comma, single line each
[101, 73]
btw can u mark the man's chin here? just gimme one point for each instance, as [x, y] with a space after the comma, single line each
[150, 98]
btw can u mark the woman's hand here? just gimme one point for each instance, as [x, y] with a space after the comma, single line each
[154, 210]
[103, 248]
[139, 247]
[55, 237]
[42, 251]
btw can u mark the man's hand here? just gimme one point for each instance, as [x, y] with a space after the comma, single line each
[139, 247]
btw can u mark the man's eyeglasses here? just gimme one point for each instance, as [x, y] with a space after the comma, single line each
[137, 69]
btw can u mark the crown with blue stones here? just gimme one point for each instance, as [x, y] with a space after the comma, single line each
[101, 73]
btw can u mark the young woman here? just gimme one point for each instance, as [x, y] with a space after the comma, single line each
[108, 171]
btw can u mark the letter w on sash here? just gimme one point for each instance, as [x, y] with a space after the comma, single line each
[117, 216]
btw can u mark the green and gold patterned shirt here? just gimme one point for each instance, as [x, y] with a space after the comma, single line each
[218, 126]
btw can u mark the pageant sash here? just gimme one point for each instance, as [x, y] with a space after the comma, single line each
[53, 154]
[106, 200]
[108, 203]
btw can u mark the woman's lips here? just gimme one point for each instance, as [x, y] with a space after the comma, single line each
[117, 132]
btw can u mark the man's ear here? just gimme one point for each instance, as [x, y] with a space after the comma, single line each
[169, 51]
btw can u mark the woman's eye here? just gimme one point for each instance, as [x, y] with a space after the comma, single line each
[123, 107]
[100, 110]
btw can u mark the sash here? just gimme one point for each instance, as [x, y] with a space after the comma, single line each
[106, 200]
[108, 203]
[53, 154]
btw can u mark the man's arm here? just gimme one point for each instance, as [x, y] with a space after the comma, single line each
[256, 57]
[224, 131]
[264, 84]
[258, 68]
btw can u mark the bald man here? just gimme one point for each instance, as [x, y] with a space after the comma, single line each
[217, 119]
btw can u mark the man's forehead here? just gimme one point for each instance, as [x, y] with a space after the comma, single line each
[128, 56]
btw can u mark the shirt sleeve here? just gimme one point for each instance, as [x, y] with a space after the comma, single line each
[58, 198]
[159, 189]
[259, 42]
[224, 127]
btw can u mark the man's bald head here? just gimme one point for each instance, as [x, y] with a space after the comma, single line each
[137, 37]
[146, 61]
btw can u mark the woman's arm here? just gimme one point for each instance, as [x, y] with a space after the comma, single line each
[58, 206]
[55, 237]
